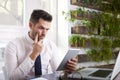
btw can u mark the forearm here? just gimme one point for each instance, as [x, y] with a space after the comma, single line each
[20, 71]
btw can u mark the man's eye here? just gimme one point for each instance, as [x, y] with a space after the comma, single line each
[47, 29]
[41, 28]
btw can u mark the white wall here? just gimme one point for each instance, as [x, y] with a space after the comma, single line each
[62, 26]
[52, 34]
[8, 33]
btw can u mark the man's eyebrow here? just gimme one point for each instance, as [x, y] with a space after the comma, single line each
[42, 27]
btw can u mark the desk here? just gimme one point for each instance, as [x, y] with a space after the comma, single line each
[56, 76]
[52, 76]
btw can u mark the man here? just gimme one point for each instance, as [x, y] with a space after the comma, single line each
[21, 53]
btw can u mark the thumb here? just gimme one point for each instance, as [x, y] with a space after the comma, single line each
[36, 38]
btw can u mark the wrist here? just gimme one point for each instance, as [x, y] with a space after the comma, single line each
[33, 56]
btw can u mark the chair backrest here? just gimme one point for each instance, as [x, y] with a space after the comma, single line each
[5, 73]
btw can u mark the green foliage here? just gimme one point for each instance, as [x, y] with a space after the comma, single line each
[101, 49]
[100, 54]
[105, 42]
[74, 40]
[77, 41]
[90, 2]
[104, 23]
[95, 42]
[116, 43]
[108, 25]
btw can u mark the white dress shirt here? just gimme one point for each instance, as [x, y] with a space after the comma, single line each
[20, 66]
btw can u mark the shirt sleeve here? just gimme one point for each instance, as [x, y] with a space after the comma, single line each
[56, 57]
[14, 70]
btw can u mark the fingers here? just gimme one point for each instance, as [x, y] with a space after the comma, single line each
[40, 42]
[70, 68]
[75, 59]
[72, 64]
[36, 38]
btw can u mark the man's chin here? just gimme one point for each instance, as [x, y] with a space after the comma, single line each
[41, 38]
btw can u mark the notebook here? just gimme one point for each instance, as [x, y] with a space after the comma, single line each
[98, 73]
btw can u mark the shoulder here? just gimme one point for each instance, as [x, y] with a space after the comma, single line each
[15, 41]
[50, 43]
[14, 45]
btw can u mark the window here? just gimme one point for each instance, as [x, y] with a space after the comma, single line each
[11, 12]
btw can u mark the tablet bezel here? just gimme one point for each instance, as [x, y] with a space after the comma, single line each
[69, 55]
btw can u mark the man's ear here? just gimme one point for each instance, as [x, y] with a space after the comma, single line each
[30, 25]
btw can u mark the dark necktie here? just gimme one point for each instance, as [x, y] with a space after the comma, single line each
[38, 70]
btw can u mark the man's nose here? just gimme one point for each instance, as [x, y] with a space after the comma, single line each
[44, 31]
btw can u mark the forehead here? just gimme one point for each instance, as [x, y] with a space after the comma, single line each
[44, 23]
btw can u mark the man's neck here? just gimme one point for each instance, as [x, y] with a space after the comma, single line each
[30, 35]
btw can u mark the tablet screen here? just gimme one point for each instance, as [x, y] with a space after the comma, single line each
[70, 54]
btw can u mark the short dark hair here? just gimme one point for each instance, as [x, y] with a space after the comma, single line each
[37, 14]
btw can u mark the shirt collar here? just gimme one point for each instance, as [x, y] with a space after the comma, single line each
[29, 39]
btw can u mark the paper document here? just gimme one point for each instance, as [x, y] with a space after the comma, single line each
[40, 78]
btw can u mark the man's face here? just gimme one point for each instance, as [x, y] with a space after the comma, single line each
[41, 28]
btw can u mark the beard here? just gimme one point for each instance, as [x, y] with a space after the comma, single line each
[33, 35]
[41, 37]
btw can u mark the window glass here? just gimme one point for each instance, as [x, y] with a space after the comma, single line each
[11, 12]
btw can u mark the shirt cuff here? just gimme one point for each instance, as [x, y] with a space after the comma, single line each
[27, 65]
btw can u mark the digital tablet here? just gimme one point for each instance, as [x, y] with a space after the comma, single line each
[69, 55]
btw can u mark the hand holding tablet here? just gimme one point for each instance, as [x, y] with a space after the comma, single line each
[69, 55]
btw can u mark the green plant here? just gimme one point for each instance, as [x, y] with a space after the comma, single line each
[116, 43]
[103, 27]
[100, 49]
[70, 16]
[74, 40]
[100, 55]
[108, 25]
[106, 43]
[95, 42]
[82, 42]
